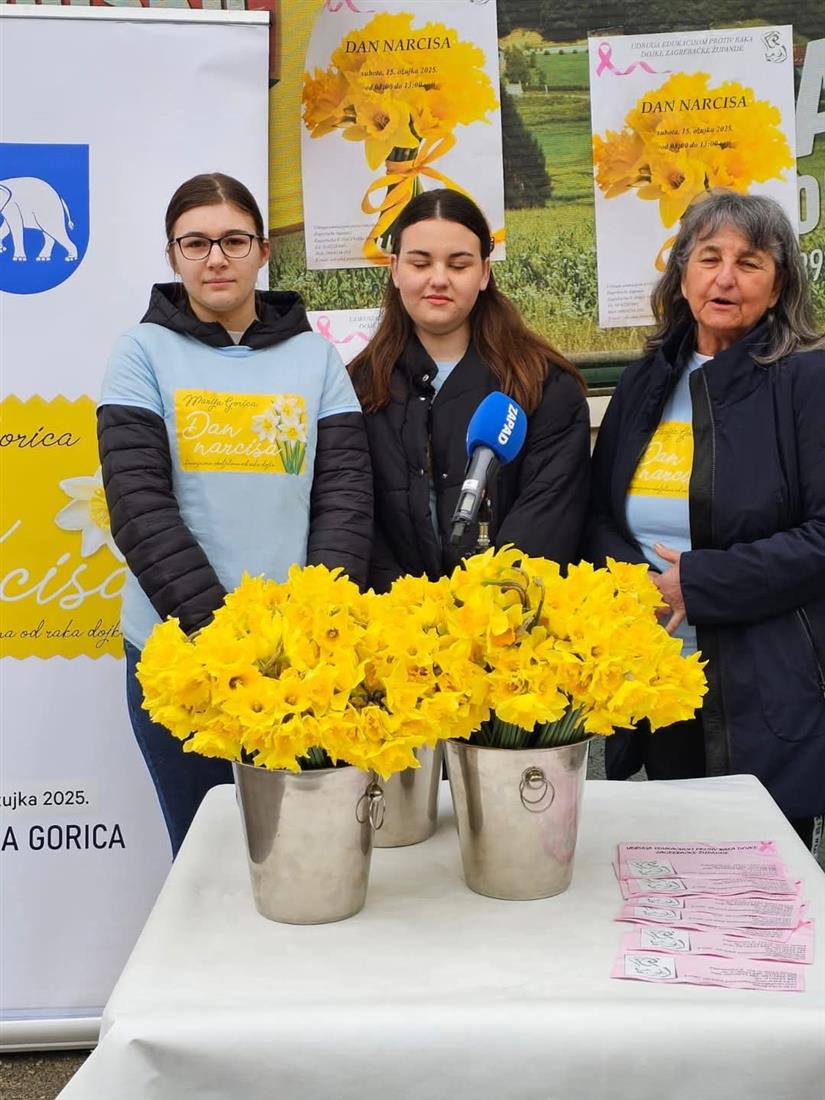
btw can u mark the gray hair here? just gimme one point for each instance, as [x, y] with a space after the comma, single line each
[765, 226]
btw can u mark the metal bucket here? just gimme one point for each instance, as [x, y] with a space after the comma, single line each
[517, 812]
[411, 801]
[308, 840]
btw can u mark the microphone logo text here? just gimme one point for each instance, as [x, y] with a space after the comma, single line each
[509, 424]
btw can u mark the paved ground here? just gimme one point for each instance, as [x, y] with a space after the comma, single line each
[42, 1076]
[38, 1076]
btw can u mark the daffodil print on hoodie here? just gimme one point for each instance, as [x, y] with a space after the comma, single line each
[283, 424]
[248, 432]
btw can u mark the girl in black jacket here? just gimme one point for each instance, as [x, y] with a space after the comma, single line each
[231, 441]
[446, 338]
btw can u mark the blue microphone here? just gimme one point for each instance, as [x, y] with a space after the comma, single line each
[495, 435]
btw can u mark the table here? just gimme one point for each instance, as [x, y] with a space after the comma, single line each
[435, 992]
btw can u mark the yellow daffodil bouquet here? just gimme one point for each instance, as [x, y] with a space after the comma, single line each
[313, 673]
[402, 91]
[686, 137]
[567, 657]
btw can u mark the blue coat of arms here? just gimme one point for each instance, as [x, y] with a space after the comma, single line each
[44, 215]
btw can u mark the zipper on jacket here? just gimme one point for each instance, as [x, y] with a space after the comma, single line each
[712, 454]
[807, 630]
[717, 732]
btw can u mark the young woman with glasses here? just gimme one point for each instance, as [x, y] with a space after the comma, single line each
[231, 441]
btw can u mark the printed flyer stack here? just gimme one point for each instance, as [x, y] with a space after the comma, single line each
[712, 914]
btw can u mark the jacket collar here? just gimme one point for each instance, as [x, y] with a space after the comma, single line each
[418, 369]
[731, 375]
[281, 314]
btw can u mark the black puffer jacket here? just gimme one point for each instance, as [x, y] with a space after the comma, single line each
[161, 552]
[539, 500]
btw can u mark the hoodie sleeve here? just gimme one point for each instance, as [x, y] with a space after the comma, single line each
[146, 523]
[341, 503]
[340, 523]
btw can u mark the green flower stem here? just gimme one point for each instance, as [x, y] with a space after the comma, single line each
[316, 758]
[292, 456]
[496, 734]
[507, 735]
[566, 731]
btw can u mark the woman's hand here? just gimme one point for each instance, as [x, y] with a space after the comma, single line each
[670, 586]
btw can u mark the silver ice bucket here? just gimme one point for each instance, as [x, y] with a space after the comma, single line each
[517, 813]
[308, 840]
[411, 801]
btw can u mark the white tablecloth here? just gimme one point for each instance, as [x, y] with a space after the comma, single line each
[435, 992]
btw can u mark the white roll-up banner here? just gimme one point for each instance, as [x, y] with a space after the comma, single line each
[103, 112]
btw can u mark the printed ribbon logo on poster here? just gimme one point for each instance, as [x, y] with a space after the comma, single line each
[402, 91]
[685, 138]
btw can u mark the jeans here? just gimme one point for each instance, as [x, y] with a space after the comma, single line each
[181, 778]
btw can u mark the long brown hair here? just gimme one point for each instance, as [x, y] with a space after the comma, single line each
[518, 357]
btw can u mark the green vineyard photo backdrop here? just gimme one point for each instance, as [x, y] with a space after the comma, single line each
[550, 270]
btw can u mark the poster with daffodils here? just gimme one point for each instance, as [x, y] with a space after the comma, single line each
[398, 97]
[674, 115]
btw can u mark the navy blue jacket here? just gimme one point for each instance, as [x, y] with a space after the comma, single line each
[754, 582]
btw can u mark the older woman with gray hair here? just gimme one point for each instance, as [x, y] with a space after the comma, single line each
[710, 468]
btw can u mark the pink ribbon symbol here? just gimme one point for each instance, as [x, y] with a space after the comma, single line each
[324, 328]
[606, 63]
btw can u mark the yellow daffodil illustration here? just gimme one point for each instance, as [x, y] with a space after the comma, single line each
[686, 137]
[265, 426]
[284, 424]
[87, 513]
[403, 104]
[383, 124]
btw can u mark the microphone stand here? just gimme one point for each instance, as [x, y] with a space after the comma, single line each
[485, 516]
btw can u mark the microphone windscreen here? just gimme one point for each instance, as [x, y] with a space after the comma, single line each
[499, 423]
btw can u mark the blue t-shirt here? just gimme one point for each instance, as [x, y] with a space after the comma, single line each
[242, 431]
[657, 505]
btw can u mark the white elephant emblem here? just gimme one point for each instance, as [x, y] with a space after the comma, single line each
[28, 202]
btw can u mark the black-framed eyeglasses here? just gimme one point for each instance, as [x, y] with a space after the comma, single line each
[195, 246]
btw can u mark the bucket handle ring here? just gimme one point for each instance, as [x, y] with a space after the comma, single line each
[371, 806]
[534, 780]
